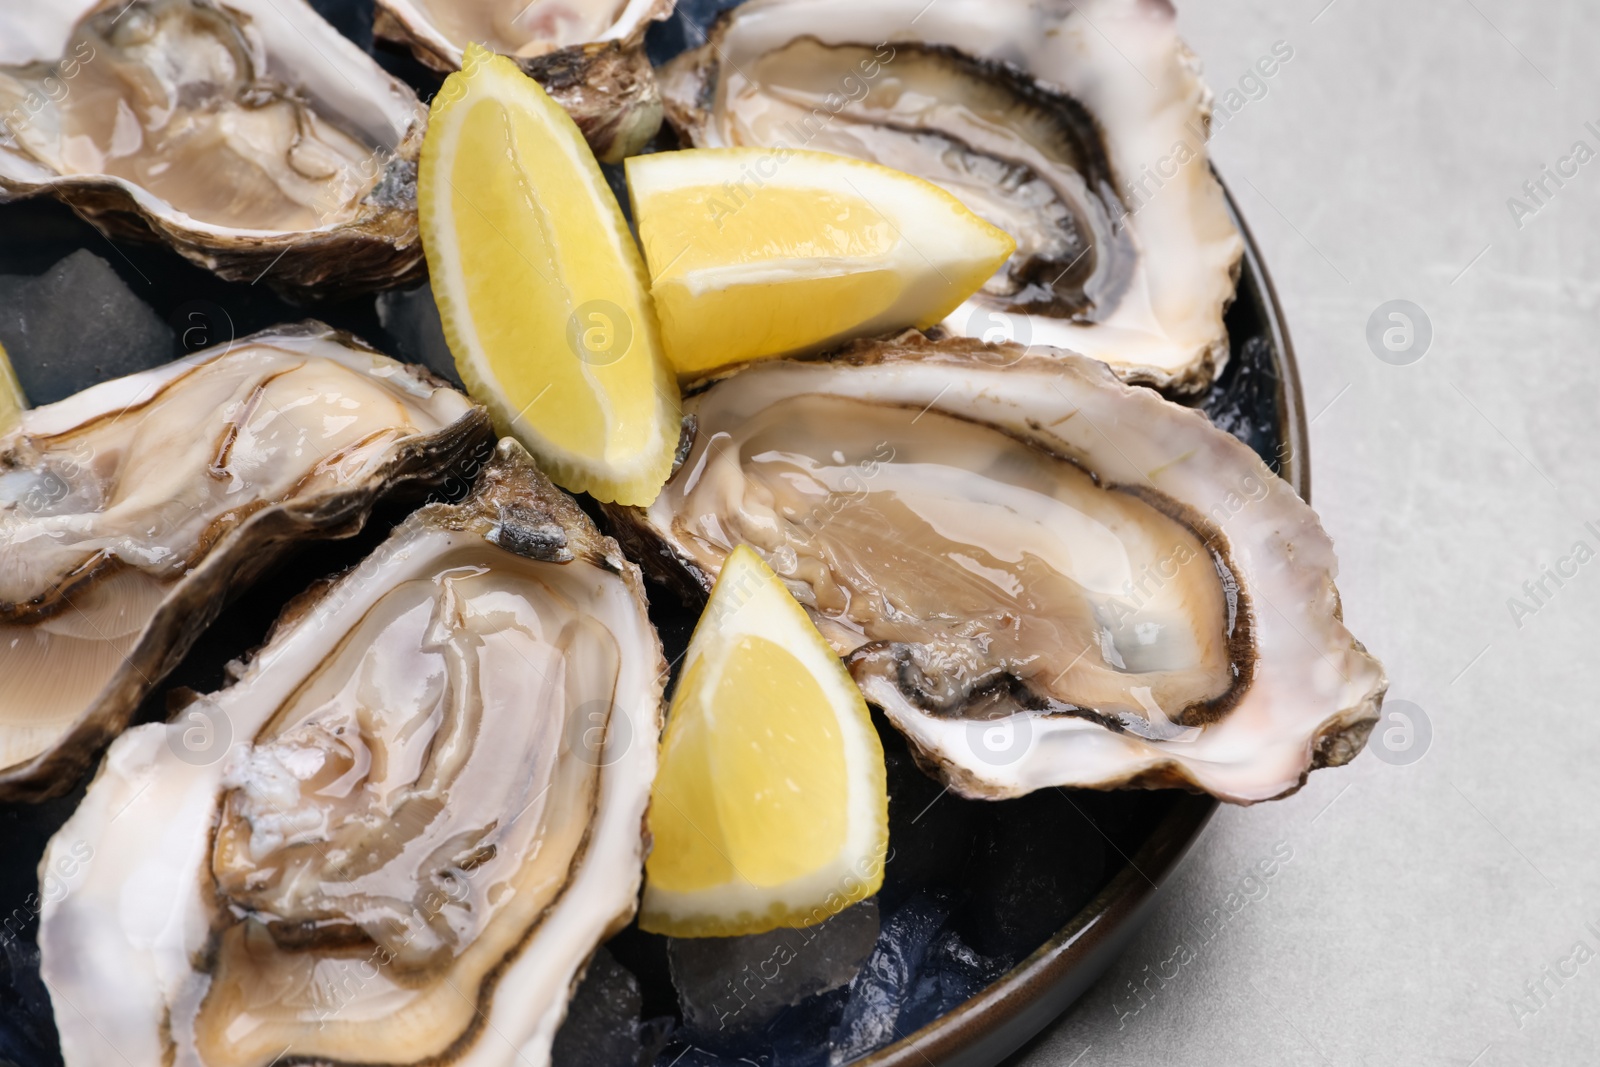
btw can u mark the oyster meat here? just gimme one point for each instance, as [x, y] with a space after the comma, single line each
[587, 54]
[240, 132]
[420, 810]
[1077, 126]
[1043, 576]
[129, 511]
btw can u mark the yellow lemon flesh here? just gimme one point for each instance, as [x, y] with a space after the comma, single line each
[770, 808]
[540, 287]
[757, 252]
[12, 402]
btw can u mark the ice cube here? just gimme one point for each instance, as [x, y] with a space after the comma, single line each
[796, 1037]
[1036, 864]
[645, 955]
[951, 974]
[411, 319]
[75, 325]
[730, 985]
[871, 1018]
[931, 830]
[679, 1053]
[602, 1026]
[799, 1036]
[653, 1037]
[27, 1028]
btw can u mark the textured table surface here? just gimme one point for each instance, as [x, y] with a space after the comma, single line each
[1444, 910]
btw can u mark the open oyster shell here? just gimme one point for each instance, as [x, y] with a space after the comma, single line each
[130, 511]
[249, 134]
[587, 54]
[1043, 576]
[420, 809]
[1078, 126]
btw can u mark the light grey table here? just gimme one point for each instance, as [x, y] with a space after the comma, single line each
[1437, 911]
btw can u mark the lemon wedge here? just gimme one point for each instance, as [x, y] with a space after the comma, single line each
[770, 807]
[540, 287]
[12, 402]
[757, 252]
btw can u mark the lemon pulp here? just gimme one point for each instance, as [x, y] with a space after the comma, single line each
[770, 807]
[12, 402]
[821, 249]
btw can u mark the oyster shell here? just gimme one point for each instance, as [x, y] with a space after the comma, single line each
[1043, 576]
[587, 54]
[1078, 126]
[129, 511]
[422, 810]
[249, 134]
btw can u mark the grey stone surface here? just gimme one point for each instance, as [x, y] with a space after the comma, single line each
[1422, 900]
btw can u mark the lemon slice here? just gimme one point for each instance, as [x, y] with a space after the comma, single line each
[540, 287]
[770, 808]
[12, 402]
[757, 252]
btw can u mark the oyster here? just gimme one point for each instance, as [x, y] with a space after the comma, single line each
[587, 54]
[1077, 126]
[129, 511]
[420, 811]
[249, 134]
[1043, 576]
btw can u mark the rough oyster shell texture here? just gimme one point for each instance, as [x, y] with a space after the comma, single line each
[1043, 576]
[129, 512]
[588, 55]
[250, 135]
[428, 813]
[1078, 126]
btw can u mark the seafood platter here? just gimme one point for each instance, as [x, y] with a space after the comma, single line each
[622, 533]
